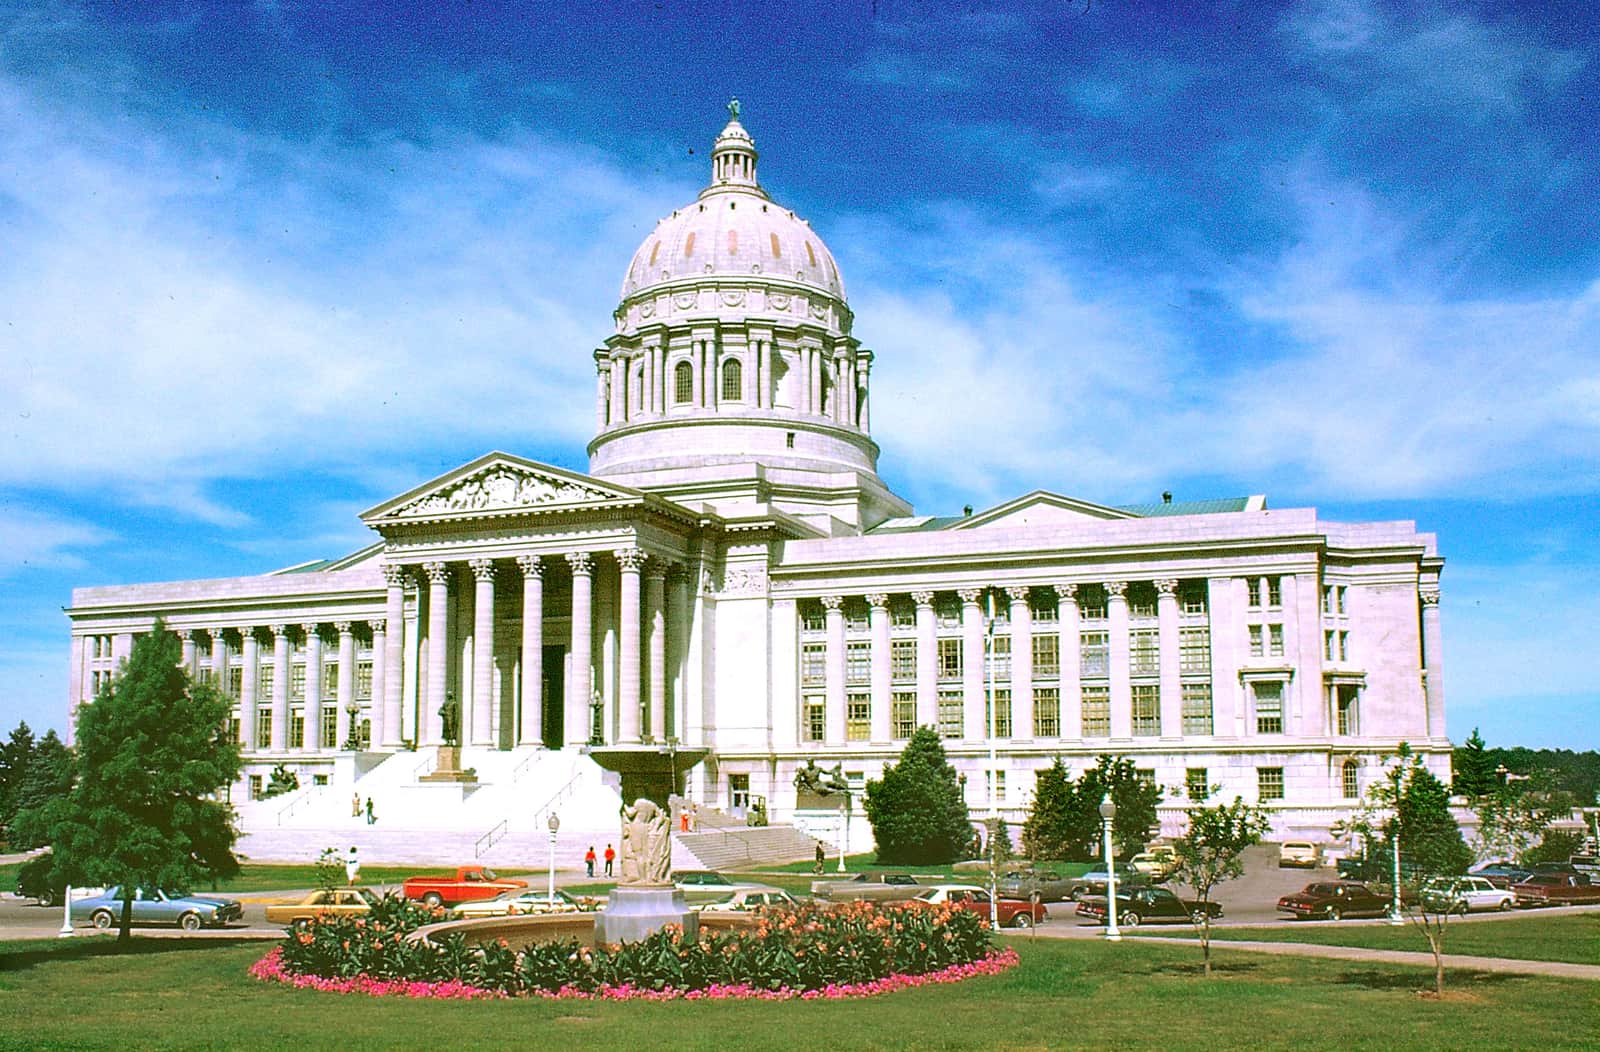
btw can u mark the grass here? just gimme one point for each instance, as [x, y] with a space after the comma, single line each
[1574, 937]
[176, 993]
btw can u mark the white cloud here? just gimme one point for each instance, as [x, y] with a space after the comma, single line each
[31, 539]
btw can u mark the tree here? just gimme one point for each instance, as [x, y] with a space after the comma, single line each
[16, 755]
[1474, 770]
[1046, 832]
[1209, 854]
[1136, 801]
[1514, 815]
[153, 751]
[917, 810]
[49, 777]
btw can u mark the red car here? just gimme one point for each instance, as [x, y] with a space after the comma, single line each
[469, 884]
[1011, 913]
[1334, 899]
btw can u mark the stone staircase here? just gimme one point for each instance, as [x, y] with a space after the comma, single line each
[735, 848]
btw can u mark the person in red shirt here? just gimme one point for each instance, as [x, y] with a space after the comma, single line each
[588, 860]
[611, 856]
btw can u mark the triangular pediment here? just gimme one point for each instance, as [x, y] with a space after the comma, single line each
[1040, 508]
[499, 483]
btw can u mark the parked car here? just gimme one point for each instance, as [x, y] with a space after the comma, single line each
[340, 902]
[1009, 913]
[747, 898]
[702, 885]
[1301, 853]
[1363, 869]
[1094, 882]
[873, 886]
[1137, 905]
[469, 884]
[1501, 874]
[1021, 884]
[514, 903]
[1332, 900]
[1156, 863]
[1460, 894]
[155, 906]
[33, 881]
[1556, 889]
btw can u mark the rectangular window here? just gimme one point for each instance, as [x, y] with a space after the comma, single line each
[951, 720]
[297, 728]
[364, 680]
[1329, 646]
[1044, 613]
[235, 681]
[903, 660]
[1269, 707]
[858, 663]
[1274, 592]
[857, 616]
[234, 730]
[1000, 657]
[1327, 599]
[1252, 593]
[996, 781]
[1340, 599]
[903, 715]
[1047, 656]
[319, 779]
[1196, 783]
[1275, 641]
[1350, 780]
[1046, 712]
[902, 614]
[1194, 649]
[947, 614]
[265, 674]
[1002, 712]
[1096, 711]
[1197, 708]
[263, 728]
[858, 718]
[1146, 709]
[1141, 600]
[1258, 646]
[1345, 699]
[1095, 658]
[1145, 775]
[1144, 652]
[1269, 783]
[813, 620]
[950, 658]
[683, 382]
[1192, 597]
[1344, 646]
[330, 727]
[813, 662]
[330, 680]
[738, 792]
[255, 787]
[297, 682]
[814, 715]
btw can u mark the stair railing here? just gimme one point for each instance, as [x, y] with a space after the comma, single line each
[503, 827]
[310, 793]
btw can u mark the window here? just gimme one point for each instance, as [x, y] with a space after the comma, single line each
[366, 733]
[255, 787]
[947, 613]
[1141, 600]
[1340, 599]
[1047, 712]
[235, 728]
[1274, 592]
[297, 682]
[235, 681]
[1096, 712]
[1327, 599]
[1252, 593]
[1047, 655]
[858, 662]
[1350, 780]
[1092, 601]
[297, 728]
[738, 792]
[814, 716]
[1002, 712]
[1344, 646]
[857, 616]
[996, 782]
[950, 714]
[1275, 641]
[1329, 645]
[813, 662]
[1146, 709]
[1345, 702]
[1194, 650]
[330, 680]
[364, 680]
[265, 674]
[263, 728]
[1144, 653]
[1258, 646]
[1192, 597]
[1000, 656]
[330, 727]
[1044, 613]
[319, 779]
[683, 383]
[903, 660]
[903, 714]
[1197, 708]
[1269, 707]
[1269, 783]
[950, 659]
[812, 619]
[858, 718]
[1145, 776]
[1095, 654]
[1196, 783]
[902, 614]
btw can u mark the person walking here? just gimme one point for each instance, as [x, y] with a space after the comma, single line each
[355, 806]
[352, 867]
[611, 856]
[371, 818]
[588, 860]
[821, 858]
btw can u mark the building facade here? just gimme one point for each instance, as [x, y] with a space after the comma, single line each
[732, 584]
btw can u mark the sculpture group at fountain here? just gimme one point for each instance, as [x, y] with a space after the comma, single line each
[646, 844]
[644, 899]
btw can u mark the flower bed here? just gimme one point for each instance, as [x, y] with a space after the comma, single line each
[850, 950]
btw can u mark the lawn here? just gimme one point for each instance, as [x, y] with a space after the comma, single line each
[194, 994]
[1573, 937]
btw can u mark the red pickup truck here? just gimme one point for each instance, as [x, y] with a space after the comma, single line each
[1556, 889]
[470, 884]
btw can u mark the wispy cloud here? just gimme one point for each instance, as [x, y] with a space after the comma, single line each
[32, 539]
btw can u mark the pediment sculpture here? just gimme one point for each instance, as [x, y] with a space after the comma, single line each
[502, 487]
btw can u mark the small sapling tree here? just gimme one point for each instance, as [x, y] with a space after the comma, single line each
[1209, 854]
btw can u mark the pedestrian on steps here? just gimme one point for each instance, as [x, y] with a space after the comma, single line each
[611, 856]
[588, 860]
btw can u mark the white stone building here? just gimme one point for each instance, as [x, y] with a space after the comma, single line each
[732, 590]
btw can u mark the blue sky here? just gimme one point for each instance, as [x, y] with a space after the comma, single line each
[265, 265]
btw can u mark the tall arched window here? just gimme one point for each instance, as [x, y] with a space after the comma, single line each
[732, 380]
[683, 383]
[1351, 780]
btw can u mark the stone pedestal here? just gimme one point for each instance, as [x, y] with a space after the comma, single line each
[447, 768]
[637, 910]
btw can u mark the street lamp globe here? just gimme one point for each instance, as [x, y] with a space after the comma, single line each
[554, 823]
[1108, 809]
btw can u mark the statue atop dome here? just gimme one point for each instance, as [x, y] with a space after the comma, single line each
[733, 108]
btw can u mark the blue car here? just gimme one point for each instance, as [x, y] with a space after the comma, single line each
[153, 906]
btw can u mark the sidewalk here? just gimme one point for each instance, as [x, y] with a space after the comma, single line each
[1557, 969]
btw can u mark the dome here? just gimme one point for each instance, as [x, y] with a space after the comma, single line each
[733, 229]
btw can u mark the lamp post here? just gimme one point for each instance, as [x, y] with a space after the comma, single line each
[1108, 811]
[353, 739]
[994, 812]
[844, 826]
[1395, 916]
[66, 913]
[554, 824]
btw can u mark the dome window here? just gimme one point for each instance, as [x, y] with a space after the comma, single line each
[812, 256]
[688, 245]
[733, 242]
[655, 250]
[683, 383]
[732, 380]
[777, 249]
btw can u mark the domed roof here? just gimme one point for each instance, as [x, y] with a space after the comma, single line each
[733, 229]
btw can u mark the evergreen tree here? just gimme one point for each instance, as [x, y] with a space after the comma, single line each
[917, 811]
[1046, 833]
[152, 754]
[1136, 801]
[16, 754]
[1428, 831]
[1474, 770]
[49, 777]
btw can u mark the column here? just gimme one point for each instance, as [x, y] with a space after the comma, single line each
[763, 372]
[882, 687]
[345, 691]
[438, 653]
[1171, 669]
[1070, 623]
[618, 389]
[833, 613]
[250, 675]
[1121, 689]
[697, 364]
[482, 651]
[864, 406]
[219, 661]
[582, 648]
[601, 397]
[186, 661]
[713, 372]
[313, 742]
[814, 380]
[973, 680]
[1293, 711]
[377, 732]
[927, 661]
[388, 690]
[530, 719]
[280, 687]
[678, 635]
[629, 718]
[647, 399]
[1432, 660]
[1021, 664]
[655, 604]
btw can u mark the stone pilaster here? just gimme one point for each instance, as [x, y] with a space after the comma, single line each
[250, 677]
[530, 722]
[1069, 621]
[655, 603]
[1021, 665]
[482, 652]
[1432, 659]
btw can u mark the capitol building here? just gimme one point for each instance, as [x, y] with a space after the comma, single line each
[732, 591]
